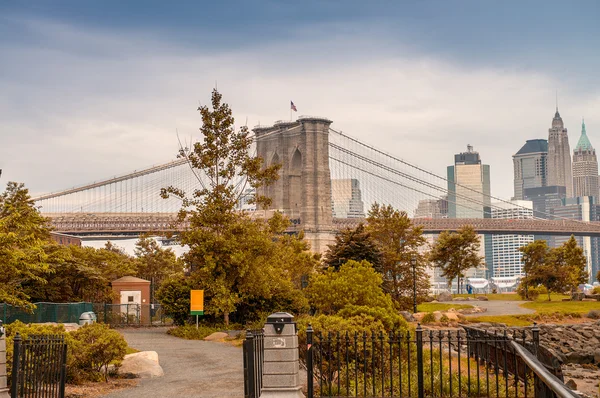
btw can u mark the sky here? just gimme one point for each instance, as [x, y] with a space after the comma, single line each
[89, 90]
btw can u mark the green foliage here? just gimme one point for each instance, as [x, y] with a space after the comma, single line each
[399, 241]
[598, 276]
[558, 269]
[24, 245]
[444, 320]
[89, 349]
[189, 332]
[456, 252]
[174, 296]
[353, 244]
[532, 293]
[428, 318]
[154, 263]
[596, 290]
[354, 284]
[95, 347]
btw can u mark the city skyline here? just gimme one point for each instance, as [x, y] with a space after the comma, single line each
[87, 97]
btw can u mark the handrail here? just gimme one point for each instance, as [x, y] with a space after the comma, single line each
[551, 381]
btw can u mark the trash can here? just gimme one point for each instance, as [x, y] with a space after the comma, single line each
[87, 318]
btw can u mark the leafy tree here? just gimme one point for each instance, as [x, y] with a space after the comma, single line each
[456, 252]
[557, 269]
[24, 239]
[230, 255]
[399, 242]
[598, 276]
[353, 244]
[174, 296]
[154, 263]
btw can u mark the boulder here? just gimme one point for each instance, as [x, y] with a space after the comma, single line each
[216, 336]
[418, 316]
[142, 365]
[444, 296]
[437, 315]
[408, 317]
[571, 384]
[453, 316]
[482, 298]
[593, 314]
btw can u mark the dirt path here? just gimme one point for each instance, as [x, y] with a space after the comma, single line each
[192, 368]
[497, 307]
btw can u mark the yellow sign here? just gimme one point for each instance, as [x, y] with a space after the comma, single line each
[197, 302]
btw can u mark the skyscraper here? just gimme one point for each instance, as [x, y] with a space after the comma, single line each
[585, 167]
[559, 156]
[506, 257]
[530, 166]
[346, 199]
[469, 186]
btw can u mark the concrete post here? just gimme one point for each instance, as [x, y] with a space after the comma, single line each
[3, 374]
[281, 366]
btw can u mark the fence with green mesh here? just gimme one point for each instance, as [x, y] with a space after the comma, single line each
[45, 312]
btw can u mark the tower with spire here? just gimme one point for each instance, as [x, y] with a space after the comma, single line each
[559, 156]
[585, 167]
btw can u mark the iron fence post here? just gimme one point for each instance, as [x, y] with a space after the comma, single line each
[63, 371]
[420, 382]
[309, 362]
[250, 363]
[14, 387]
[104, 313]
[535, 333]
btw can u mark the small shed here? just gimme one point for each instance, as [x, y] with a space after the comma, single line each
[132, 295]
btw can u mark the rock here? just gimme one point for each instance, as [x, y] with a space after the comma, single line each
[453, 316]
[216, 336]
[571, 384]
[408, 317]
[482, 298]
[418, 316]
[141, 364]
[69, 327]
[437, 315]
[444, 296]
[597, 357]
[593, 314]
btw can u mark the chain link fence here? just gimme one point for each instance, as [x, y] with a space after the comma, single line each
[45, 312]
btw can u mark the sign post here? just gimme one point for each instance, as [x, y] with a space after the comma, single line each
[197, 303]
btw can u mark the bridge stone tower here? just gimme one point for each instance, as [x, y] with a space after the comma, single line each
[303, 191]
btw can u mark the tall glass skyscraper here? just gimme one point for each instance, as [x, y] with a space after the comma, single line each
[469, 186]
[530, 166]
[506, 257]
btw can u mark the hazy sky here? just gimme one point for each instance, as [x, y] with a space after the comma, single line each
[93, 89]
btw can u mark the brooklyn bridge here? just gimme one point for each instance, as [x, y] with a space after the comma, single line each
[328, 181]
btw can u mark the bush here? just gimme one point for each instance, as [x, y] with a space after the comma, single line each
[96, 346]
[189, 332]
[444, 319]
[533, 292]
[593, 314]
[596, 290]
[174, 295]
[428, 318]
[89, 349]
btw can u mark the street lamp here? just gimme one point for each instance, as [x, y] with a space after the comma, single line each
[413, 262]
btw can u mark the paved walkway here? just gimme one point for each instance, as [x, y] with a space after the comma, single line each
[192, 368]
[497, 307]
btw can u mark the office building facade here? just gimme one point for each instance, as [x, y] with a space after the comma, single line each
[469, 186]
[530, 167]
[585, 167]
[559, 156]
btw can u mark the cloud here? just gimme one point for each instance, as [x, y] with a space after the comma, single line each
[81, 105]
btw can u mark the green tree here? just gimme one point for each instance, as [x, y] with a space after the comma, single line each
[353, 244]
[456, 252]
[533, 256]
[598, 276]
[399, 242]
[174, 296]
[24, 240]
[228, 251]
[570, 258]
[154, 263]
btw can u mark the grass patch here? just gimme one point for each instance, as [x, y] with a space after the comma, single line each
[546, 307]
[431, 307]
[509, 320]
[514, 296]
[131, 350]
[189, 332]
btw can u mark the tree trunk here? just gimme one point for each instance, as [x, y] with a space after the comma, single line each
[226, 318]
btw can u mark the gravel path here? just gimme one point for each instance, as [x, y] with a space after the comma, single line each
[192, 368]
[497, 307]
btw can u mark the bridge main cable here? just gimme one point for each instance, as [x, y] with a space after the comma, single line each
[124, 177]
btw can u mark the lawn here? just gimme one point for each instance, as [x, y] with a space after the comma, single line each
[544, 307]
[431, 307]
[509, 320]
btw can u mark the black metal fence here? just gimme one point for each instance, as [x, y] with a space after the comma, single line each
[39, 367]
[253, 351]
[131, 314]
[428, 363]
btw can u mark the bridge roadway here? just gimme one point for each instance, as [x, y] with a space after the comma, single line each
[132, 224]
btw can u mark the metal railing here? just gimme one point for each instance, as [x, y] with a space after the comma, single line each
[39, 367]
[253, 352]
[432, 363]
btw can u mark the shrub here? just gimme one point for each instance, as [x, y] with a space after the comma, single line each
[428, 318]
[533, 292]
[189, 332]
[97, 346]
[596, 290]
[174, 295]
[444, 319]
[89, 349]
[593, 314]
